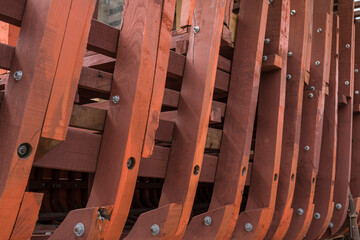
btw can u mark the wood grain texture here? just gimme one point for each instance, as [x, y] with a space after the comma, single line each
[23, 110]
[6, 56]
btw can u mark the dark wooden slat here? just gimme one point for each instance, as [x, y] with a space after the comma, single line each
[6, 56]
[12, 11]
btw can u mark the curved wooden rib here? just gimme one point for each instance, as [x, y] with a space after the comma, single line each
[345, 114]
[23, 110]
[324, 189]
[238, 125]
[312, 123]
[186, 154]
[260, 204]
[298, 68]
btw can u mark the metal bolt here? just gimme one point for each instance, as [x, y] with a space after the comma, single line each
[347, 83]
[290, 54]
[300, 211]
[267, 40]
[338, 206]
[317, 215]
[317, 63]
[196, 29]
[155, 229]
[207, 220]
[312, 88]
[356, 70]
[22, 150]
[306, 148]
[357, 92]
[293, 12]
[319, 30]
[248, 227]
[265, 58]
[288, 76]
[331, 225]
[130, 163]
[347, 45]
[18, 75]
[310, 95]
[115, 99]
[271, 1]
[79, 229]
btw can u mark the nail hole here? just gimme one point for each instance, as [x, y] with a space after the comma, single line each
[313, 180]
[243, 172]
[275, 177]
[292, 177]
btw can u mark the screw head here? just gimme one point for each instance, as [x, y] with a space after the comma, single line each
[319, 30]
[18, 75]
[357, 92]
[271, 1]
[293, 12]
[130, 163]
[267, 40]
[317, 63]
[317, 215]
[312, 88]
[306, 148]
[288, 76]
[115, 99]
[24, 150]
[338, 206]
[196, 29]
[155, 229]
[347, 83]
[207, 220]
[347, 45]
[248, 227]
[331, 225]
[79, 229]
[310, 95]
[300, 211]
[290, 54]
[264, 58]
[356, 70]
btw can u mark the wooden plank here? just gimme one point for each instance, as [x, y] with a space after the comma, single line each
[23, 110]
[325, 179]
[238, 125]
[184, 13]
[261, 198]
[67, 75]
[12, 11]
[345, 114]
[166, 25]
[28, 215]
[186, 154]
[6, 56]
[355, 157]
[297, 69]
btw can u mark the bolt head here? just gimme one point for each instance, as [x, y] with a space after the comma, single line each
[267, 40]
[271, 1]
[207, 220]
[319, 30]
[264, 58]
[357, 92]
[306, 148]
[331, 225]
[300, 211]
[356, 70]
[79, 229]
[196, 29]
[130, 163]
[347, 83]
[248, 227]
[115, 99]
[317, 63]
[310, 95]
[18, 75]
[155, 229]
[290, 54]
[293, 12]
[338, 206]
[288, 76]
[312, 88]
[347, 45]
[317, 215]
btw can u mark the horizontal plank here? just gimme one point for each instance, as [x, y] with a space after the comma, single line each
[11, 11]
[6, 55]
[273, 62]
